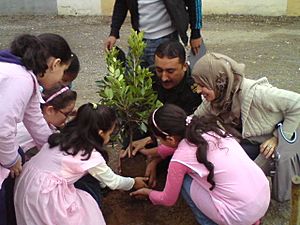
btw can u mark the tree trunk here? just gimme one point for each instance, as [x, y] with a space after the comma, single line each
[295, 201]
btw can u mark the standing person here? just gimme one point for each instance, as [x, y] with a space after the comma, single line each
[31, 61]
[45, 192]
[161, 20]
[252, 107]
[216, 177]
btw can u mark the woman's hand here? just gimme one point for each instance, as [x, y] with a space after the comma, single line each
[140, 182]
[268, 147]
[136, 147]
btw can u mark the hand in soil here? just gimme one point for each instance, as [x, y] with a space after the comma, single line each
[151, 171]
[140, 182]
[141, 193]
[136, 146]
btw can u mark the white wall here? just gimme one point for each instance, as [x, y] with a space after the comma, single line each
[246, 7]
[79, 7]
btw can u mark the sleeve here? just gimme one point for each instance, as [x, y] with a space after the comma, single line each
[165, 151]
[119, 14]
[35, 123]
[203, 109]
[194, 8]
[14, 97]
[279, 100]
[105, 175]
[170, 194]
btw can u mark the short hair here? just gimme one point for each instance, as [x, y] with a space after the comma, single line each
[171, 49]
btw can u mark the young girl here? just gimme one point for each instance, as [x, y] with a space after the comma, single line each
[72, 72]
[57, 106]
[217, 178]
[45, 192]
[31, 61]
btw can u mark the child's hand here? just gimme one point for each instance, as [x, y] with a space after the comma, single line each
[150, 152]
[151, 171]
[16, 169]
[144, 192]
[140, 182]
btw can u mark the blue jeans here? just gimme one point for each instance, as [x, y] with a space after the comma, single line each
[186, 194]
[151, 46]
[7, 209]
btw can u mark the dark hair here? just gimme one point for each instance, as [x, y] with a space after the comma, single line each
[171, 121]
[57, 46]
[82, 133]
[32, 51]
[74, 67]
[171, 50]
[60, 101]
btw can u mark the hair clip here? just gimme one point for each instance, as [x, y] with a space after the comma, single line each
[72, 55]
[94, 105]
[188, 120]
[57, 94]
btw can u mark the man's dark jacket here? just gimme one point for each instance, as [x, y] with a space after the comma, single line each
[182, 13]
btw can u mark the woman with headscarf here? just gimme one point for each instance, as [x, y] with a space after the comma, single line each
[252, 107]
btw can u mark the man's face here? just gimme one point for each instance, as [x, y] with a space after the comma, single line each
[169, 71]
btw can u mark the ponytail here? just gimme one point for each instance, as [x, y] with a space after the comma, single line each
[32, 52]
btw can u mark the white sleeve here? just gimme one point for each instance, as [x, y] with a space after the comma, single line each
[104, 174]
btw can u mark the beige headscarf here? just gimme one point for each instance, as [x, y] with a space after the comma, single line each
[224, 76]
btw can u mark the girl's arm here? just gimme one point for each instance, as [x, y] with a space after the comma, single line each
[169, 195]
[106, 176]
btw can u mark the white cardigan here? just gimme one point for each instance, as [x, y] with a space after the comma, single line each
[262, 107]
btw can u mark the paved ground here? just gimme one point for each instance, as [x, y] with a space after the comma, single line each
[268, 46]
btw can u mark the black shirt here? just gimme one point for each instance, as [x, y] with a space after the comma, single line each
[183, 95]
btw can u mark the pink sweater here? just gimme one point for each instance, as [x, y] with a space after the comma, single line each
[242, 193]
[19, 101]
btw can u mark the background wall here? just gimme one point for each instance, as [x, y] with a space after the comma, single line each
[28, 7]
[245, 7]
[79, 7]
[104, 7]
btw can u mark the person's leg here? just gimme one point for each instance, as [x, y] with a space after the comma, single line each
[252, 149]
[3, 211]
[151, 46]
[92, 186]
[185, 193]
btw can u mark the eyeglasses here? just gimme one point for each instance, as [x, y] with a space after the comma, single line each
[67, 114]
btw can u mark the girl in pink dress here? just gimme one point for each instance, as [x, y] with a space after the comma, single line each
[219, 181]
[31, 61]
[45, 192]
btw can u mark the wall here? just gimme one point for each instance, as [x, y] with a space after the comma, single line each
[245, 7]
[293, 8]
[104, 7]
[28, 7]
[79, 7]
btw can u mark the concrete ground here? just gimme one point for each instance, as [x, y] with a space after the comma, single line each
[268, 46]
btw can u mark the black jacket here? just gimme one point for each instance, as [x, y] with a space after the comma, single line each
[182, 13]
[183, 95]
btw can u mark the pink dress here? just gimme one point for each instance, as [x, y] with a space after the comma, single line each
[45, 192]
[19, 102]
[241, 194]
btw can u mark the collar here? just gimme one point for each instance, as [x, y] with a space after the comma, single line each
[7, 57]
